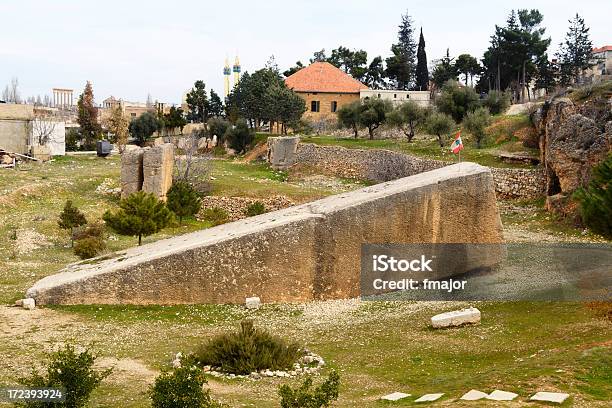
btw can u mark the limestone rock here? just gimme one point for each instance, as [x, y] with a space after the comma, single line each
[131, 171]
[282, 151]
[498, 395]
[157, 168]
[557, 397]
[429, 397]
[456, 318]
[395, 396]
[28, 304]
[474, 395]
[253, 302]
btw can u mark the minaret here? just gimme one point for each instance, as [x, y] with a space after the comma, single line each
[236, 69]
[226, 75]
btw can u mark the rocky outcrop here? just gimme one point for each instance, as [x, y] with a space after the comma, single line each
[573, 139]
[148, 169]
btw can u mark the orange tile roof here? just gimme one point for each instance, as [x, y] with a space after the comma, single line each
[323, 77]
[602, 49]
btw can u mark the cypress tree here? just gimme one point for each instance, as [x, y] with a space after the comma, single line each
[422, 74]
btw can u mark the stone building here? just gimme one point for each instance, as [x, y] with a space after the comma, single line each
[396, 96]
[131, 110]
[325, 89]
[602, 64]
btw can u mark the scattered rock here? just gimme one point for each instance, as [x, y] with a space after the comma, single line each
[498, 395]
[429, 397]
[176, 363]
[253, 302]
[19, 303]
[28, 304]
[395, 396]
[236, 206]
[456, 318]
[557, 397]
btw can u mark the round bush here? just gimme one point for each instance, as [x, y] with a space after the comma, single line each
[89, 247]
[255, 209]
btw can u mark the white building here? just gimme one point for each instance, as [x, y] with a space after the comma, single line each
[397, 97]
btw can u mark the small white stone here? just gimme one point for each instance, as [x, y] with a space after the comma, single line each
[429, 397]
[19, 303]
[396, 396]
[557, 397]
[498, 395]
[456, 318]
[253, 302]
[474, 395]
[28, 304]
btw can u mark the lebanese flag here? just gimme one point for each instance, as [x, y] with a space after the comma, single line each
[457, 145]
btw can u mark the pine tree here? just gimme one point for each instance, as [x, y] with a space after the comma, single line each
[576, 52]
[140, 214]
[70, 218]
[596, 200]
[422, 74]
[88, 117]
[401, 66]
[197, 101]
[183, 200]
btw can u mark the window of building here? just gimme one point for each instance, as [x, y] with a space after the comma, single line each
[133, 115]
[334, 106]
[379, 96]
[314, 106]
[394, 96]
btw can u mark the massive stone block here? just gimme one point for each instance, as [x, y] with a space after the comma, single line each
[157, 167]
[131, 171]
[311, 251]
[282, 151]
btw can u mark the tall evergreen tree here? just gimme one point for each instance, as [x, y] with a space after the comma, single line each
[468, 66]
[216, 105]
[444, 70]
[422, 74]
[198, 103]
[401, 66]
[374, 77]
[576, 52]
[88, 117]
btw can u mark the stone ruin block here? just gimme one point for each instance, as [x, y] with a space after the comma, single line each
[282, 151]
[157, 167]
[131, 171]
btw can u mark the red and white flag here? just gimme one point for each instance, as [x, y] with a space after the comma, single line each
[457, 145]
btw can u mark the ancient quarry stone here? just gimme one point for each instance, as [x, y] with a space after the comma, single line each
[301, 253]
[456, 318]
[429, 397]
[557, 397]
[395, 396]
[252, 303]
[282, 151]
[28, 304]
[573, 139]
[131, 171]
[498, 395]
[474, 395]
[157, 168]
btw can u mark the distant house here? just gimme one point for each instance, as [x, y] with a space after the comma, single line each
[324, 88]
[602, 64]
[22, 127]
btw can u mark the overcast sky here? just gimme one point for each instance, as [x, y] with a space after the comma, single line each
[131, 48]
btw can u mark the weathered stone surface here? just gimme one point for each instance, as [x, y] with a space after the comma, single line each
[131, 171]
[252, 302]
[301, 253]
[395, 396]
[282, 151]
[379, 165]
[429, 397]
[498, 395]
[573, 139]
[474, 395]
[557, 397]
[157, 168]
[456, 318]
[28, 304]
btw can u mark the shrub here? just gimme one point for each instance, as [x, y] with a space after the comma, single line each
[218, 126]
[89, 247]
[239, 136]
[72, 371]
[70, 218]
[456, 100]
[304, 397]
[596, 199]
[183, 200]
[247, 350]
[439, 124]
[497, 102]
[181, 388]
[215, 215]
[143, 127]
[476, 122]
[140, 214]
[407, 117]
[255, 209]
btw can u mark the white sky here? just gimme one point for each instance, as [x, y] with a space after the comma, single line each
[131, 48]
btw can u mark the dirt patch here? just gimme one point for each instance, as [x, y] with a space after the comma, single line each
[28, 240]
[126, 369]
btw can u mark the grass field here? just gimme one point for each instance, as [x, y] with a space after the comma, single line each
[377, 347]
